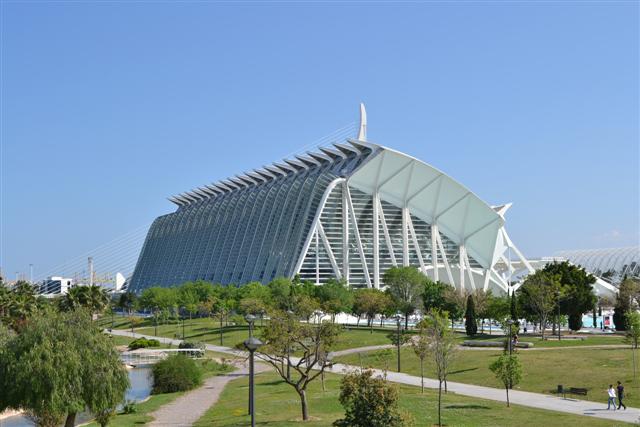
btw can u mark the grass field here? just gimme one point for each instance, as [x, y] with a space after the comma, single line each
[593, 369]
[278, 405]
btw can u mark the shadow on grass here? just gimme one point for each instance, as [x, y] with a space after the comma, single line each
[471, 406]
[462, 370]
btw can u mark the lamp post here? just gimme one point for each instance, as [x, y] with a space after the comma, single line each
[155, 321]
[399, 325]
[250, 318]
[509, 324]
[558, 300]
[252, 344]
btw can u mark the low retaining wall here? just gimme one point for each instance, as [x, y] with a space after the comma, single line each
[498, 344]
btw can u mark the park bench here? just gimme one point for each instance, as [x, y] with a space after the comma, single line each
[572, 390]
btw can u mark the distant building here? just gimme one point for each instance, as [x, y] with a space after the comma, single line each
[611, 264]
[56, 285]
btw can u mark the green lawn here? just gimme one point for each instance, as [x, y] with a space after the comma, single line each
[594, 369]
[538, 342]
[278, 405]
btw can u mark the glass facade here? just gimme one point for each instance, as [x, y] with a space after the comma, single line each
[255, 232]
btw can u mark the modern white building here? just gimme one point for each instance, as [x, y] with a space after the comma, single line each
[349, 211]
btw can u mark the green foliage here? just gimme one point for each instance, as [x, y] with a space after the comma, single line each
[129, 408]
[470, 323]
[576, 293]
[369, 302]
[508, 370]
[625, 300]
[513, 308]
[406, 286]
[498, 307]
[93, 298]
[403, 337]
[538, 296]
[335, 297]
[59, 364]
[633, 328]
[368, 401]
[143, 343]
[176, 373]
[575, 321]
[433, 295]
[18, 304]
[284, 336]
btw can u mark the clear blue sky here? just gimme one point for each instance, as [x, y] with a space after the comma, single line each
[110, 107]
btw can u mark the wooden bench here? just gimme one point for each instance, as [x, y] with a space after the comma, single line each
[577, 390]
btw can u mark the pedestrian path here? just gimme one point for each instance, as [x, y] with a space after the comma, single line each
[190, 407]
[517, 397]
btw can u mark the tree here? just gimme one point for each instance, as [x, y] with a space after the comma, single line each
[433, 295]
[370, 302]
[481, 304]
[406, 286]
[497, 308]
[455, 303]
[335, 298]
[127, 302]
[94, 298]
[626, 300]
[368, 401]
[471, 324]
[442, 347]
[421, 345]
[508, 370]
[20, 303]
[538, 296]
[633, 335]
[286, 335]
[576, 290]
[59, 364]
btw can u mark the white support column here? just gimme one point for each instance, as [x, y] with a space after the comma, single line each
[485, 285]
[345, 233]
[434, 251]
[356, 232]
[327, 248]
[445, 260]
[414, 239]
[387, 237]
[461, 266]
[376, 240]
[405, 236]
[467, 265]
[317, 257]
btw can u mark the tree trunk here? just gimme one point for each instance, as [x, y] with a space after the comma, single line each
[303, 403]
[406, 321]
[440, 404]
[507, 396]
[358, 322]
[422, 375]
[71, 420]
[633, 353]
[542, 327]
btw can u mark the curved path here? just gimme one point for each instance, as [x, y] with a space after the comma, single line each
[188, 408]
[517, 397]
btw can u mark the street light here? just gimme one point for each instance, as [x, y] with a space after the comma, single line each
[250, 318]
[558, 299]
[398, 316]
[509, 324]
[252, 344]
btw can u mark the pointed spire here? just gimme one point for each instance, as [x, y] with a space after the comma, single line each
[362, 133]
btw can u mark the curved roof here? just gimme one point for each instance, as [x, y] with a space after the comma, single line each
[604, 260]
[434, 197]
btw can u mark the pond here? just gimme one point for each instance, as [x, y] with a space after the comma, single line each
[140, 389]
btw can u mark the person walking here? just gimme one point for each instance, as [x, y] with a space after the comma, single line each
[621, 396]
[612, 397]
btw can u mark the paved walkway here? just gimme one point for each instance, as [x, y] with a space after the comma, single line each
[524, 398]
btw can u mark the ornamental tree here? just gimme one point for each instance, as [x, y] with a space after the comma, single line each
[284, 336]
[508, 370]
[470, 323]
[406, 286]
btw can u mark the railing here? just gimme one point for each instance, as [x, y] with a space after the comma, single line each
[146, 356]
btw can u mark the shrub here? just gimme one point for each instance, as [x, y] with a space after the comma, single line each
[369, 402]
[176, 373]
[198, 347]
[143, 343]
[129, 407]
